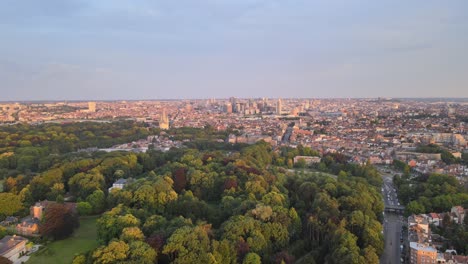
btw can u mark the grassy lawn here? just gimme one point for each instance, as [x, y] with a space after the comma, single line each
[63, 251]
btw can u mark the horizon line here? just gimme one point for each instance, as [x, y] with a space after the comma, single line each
[227, 98]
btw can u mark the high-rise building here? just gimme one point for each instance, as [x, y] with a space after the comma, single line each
[279, 106]
[91, 107]
[234, 104]
[229, 108]
[164, 120]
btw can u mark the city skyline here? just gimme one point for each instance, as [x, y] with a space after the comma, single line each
[118, 50]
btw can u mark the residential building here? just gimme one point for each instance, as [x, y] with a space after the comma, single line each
[422, 254]
[458, 214]
[11, 247]
[119, 184]
[308, 159]
[29, 226]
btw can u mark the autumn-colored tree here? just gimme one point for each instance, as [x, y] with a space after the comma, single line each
[79, 259]
[252, 258]
[4, 260]
[60, 220]
[283, 258]
[156, 241]
[180, 179]
[132, 234]
[115, 252]
[230, 183]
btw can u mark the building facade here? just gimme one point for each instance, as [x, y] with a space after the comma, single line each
[422, 254]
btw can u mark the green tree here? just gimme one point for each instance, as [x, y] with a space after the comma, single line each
[10, 204]
[140, 252]
[3, 232]
[145, 197]
[252, 258]
[84, 184]
[111, 223]
[97, 200]
[189, 245]
[415, 208]
[84, 208]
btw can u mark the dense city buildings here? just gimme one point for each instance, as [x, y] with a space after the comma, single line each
[367, 130]
[425, 246]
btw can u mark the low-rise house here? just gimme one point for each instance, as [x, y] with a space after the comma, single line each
[12, 247]
[434, 219]
[455, 259]
[119, 184]
[29, 226]
[308, 159]
[458, 214]
[9, 221]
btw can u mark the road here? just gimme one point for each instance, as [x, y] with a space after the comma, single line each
[287, 134]
[392, 224]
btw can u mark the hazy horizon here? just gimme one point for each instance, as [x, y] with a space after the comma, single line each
[55, 50]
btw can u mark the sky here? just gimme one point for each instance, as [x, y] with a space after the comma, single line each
[136, 49]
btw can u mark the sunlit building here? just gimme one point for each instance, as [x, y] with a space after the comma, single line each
[92, 107]
[421, 253]
[164, 120]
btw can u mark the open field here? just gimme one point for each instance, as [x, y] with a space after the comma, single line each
[63, 251]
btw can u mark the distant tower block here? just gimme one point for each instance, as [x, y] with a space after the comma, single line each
[229, 108]
[164, 120]
[92, 107]
[279, 106]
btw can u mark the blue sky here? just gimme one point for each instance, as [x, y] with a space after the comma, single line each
[115, 49]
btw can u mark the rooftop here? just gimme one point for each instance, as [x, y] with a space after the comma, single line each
[9, 242]
[422, 247]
